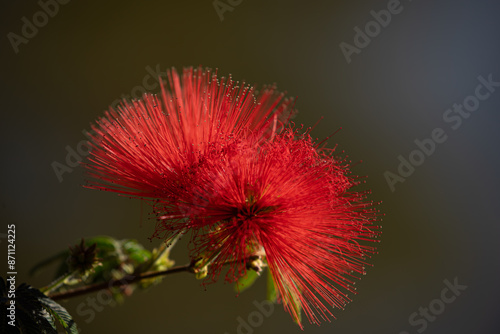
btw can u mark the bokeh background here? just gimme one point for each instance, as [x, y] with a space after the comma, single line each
[440, 224]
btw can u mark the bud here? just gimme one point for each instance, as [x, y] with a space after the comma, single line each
[82, 258]
[199, 267]
[255, 263]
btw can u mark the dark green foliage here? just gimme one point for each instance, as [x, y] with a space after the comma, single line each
[35, 313]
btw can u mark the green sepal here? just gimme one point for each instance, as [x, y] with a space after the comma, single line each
[246, 281]
[271, 289]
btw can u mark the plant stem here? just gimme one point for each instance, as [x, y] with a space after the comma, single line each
[55, 284]
[126, 280]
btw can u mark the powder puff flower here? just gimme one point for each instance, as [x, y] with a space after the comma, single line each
[149, 148]
[217, 160]
[290, 203]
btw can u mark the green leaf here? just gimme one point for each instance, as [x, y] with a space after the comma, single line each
[271, 289]
[31, 315]
[33, 322]
[48, 317]
[60, 314]
[136, 252]
[246, 281]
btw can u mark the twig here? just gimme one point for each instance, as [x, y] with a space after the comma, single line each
[126, 280]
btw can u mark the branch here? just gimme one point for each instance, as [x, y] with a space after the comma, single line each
[126, 280]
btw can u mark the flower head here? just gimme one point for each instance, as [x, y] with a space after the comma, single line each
[149, 148]
[292, 203]
[218, 161]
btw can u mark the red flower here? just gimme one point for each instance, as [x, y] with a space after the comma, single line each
[216, 160]
[290, 202]
[149, 148]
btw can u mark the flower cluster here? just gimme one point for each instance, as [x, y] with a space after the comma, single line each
[224, 163]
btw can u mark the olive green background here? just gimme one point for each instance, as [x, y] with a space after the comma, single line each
[441, 223]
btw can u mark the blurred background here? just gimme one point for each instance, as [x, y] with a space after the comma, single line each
[387, 83]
